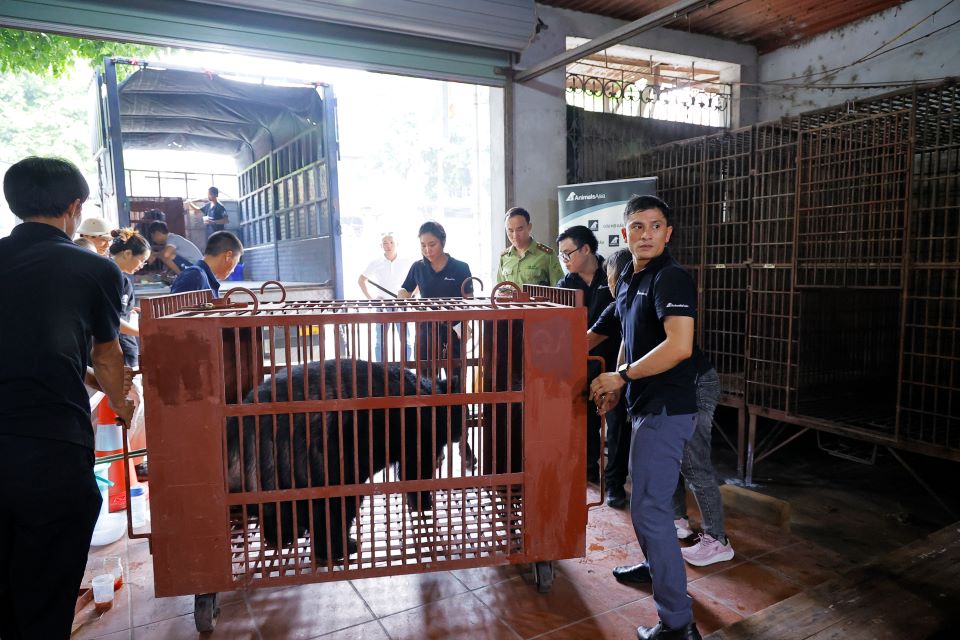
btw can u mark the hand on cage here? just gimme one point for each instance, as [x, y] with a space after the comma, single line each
[124, 411]
[607, 402]
[605, 384]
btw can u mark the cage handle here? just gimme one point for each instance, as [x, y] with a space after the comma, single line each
[126, 474]
[283, 290]
[603, 438]
[463, 293]
[253, 296]
[518, 296]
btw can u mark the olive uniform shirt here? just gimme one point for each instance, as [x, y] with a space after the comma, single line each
[539, 265]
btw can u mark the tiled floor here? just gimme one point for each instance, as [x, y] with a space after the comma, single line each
[487, 603]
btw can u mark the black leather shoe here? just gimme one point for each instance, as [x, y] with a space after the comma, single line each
[660, 632]
[633, 574]
[616, 498]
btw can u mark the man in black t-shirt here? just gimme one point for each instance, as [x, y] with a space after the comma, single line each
[56, 298]
[586, 271]
[657, 305]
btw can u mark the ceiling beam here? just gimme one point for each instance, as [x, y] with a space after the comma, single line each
[646, 23]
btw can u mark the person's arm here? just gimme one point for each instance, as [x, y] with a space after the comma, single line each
[675, 348]
[409, 286]
[594, 339]
[167, 257]
[108, 368]
[129, 329]
[192, 205]
[362, 281]
[403, 293]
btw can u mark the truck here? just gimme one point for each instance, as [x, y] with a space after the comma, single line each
[282, 136]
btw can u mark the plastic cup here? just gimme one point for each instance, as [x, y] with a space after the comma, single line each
[114, 566]
[103, 592]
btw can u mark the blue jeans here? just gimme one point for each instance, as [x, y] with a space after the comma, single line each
[655, 454]
[696, 468]
[397, 329]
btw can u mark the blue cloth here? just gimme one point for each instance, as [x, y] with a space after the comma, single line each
[215, 211]
[655, 454]
[438, 284]
[54, 298]
[196, 277]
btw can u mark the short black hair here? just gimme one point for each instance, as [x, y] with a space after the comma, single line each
[619, 260]
[581, 236]
[222, 241]
[154, 214]
[43, 187]
[517, 211]
[642, 203]
[214, 192]
[157, 226]
[434, 228]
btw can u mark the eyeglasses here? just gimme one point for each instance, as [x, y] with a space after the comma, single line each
[566, 255]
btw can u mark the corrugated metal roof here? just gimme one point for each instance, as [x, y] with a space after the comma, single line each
[766, 24]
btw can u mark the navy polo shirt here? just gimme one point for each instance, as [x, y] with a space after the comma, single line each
[438, 284]
[663, 288]
[215, 211]
[196, 277]
[596, 297]
[55, 296]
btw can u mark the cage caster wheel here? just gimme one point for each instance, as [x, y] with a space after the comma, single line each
[206, 611]
[543, 574]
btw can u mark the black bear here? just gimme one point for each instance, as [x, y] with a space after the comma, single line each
[366, 440]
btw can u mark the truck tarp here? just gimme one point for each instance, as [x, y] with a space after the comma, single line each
[197, 111]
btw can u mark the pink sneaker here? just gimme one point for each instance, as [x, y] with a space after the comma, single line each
[708, 550]
[682, 526]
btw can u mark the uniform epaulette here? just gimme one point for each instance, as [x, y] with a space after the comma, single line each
[544, 248]
[506, 251]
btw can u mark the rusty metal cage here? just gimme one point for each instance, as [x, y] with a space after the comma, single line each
[282, 453]
[838, 234]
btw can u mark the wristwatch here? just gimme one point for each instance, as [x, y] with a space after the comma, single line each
[622, 370]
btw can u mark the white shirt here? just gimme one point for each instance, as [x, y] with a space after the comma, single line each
[185, 249]
[387, 274]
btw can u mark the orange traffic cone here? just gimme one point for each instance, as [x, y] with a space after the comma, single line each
[109, 440]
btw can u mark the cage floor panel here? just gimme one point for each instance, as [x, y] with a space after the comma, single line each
[472, 524]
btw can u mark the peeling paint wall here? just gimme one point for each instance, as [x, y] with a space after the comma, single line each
[935, 56]
[540, 123]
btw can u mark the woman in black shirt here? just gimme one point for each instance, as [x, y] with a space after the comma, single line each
[130, 251]
[438, 275]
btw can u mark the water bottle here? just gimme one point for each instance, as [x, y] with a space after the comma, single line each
[138, 511]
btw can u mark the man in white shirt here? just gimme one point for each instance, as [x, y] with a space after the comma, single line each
[388, 272]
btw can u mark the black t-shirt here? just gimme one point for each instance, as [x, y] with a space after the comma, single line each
[662, 288]
[445, 283]
[129, 344]
[438, 284]
[596, 297]
[55, 296]
[217, 212]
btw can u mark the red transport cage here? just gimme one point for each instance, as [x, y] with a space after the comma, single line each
[284, 451]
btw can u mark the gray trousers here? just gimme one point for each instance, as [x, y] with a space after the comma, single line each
[696, 468]
[655, 454]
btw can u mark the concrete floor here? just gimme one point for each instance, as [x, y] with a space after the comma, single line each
[843, 514]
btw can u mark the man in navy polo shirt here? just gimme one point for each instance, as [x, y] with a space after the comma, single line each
[58, 299]
[656, 303]
[220, 258]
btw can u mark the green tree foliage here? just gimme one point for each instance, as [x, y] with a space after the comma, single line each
[51, 55]
[42, 116]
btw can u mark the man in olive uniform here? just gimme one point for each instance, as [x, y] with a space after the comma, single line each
[526, 261]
